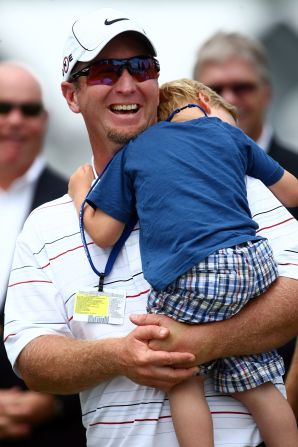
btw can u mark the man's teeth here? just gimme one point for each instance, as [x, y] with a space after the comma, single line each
[121, 107]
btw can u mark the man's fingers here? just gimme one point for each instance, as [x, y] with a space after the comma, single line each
[10, 429]
[17, 411]
[185, 359]
[165, 378]
[18, 431]
[164, 358]
[145, 333]
[156, 345]
[146, 319]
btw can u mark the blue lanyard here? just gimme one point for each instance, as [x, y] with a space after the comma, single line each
[116, 248]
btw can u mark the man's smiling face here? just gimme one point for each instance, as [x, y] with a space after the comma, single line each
[114, 114]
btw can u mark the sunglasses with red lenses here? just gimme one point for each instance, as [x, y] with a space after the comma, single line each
[108, 71]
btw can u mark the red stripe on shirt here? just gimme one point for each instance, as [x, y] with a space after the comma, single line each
[130, 422]
[67, 251]
[51, 206]
[161, 417]
[26, 282]
[9, 335]
[63, 253]
[138, 294]
[275, 225]
[287, 263]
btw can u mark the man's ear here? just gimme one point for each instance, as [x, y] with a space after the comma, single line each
[203, 101]
[69, 92]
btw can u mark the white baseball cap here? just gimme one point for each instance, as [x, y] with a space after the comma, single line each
[91, 33]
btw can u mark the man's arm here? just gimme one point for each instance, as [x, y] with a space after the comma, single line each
[264, 323]
[62, 365]
[42, 339]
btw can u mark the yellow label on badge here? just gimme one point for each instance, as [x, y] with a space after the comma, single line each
[89, 304]
[107, 307]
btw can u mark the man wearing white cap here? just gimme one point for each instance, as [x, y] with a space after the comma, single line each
[67, 315]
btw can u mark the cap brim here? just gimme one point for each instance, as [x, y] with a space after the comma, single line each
[93, 32]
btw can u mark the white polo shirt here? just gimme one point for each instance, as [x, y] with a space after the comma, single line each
[50, 266]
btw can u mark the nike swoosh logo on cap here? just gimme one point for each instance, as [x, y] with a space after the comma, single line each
[110, 22]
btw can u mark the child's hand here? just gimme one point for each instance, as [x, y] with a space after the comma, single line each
[80, 180]
[79, 184]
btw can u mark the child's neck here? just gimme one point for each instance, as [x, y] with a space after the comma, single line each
[190, 113]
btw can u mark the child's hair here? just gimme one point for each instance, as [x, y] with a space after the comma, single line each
[175, 94]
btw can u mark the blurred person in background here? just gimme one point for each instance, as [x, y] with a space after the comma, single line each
[237, 68]
[27, 418]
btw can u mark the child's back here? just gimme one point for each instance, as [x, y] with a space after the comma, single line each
[189, 184]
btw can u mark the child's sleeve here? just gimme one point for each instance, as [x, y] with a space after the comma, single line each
[114, 193]
[261, 165]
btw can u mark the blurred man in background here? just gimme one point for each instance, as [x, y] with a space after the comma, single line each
[27, 418]
[237, 68]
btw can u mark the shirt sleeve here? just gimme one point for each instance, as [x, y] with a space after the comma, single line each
[33, 305]
[276, 224]
[261, 165]
[114, 193]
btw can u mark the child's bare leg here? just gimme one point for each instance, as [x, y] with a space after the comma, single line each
[191, 415]
[273, 415]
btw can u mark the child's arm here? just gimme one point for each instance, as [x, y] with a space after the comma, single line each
[103, 229]
[286, 190]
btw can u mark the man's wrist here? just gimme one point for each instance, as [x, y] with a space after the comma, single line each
[111, 357]
[206, 342]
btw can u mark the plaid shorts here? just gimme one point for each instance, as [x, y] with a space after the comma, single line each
[236, 374]
[219, 286]
[216, 289]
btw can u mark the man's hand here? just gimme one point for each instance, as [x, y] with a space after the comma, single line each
[180, 337]
[256, 328]
[21, 410]
[155, 368]
[9, 428]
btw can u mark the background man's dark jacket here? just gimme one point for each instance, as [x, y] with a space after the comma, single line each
[66, 429]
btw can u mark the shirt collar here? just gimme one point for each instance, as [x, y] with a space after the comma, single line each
[93, 167]
[31, 175]
[265, 137]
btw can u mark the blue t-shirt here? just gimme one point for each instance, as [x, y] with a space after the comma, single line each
[186, 183]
